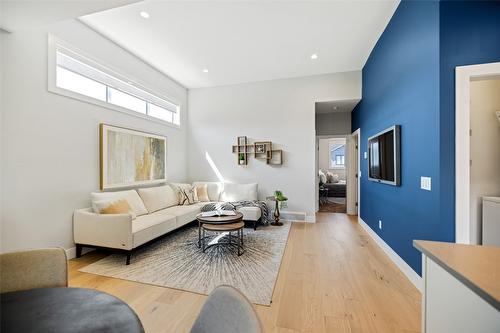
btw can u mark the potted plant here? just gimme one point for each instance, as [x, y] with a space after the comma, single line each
[280, 203]
[280, 198]
[241, 158]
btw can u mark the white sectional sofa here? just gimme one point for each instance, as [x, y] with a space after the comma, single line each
[155, 212]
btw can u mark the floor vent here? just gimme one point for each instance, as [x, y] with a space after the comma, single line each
[291, 216]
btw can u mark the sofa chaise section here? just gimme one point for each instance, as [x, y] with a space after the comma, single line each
[230, 192]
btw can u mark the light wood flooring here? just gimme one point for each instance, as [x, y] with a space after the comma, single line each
[333, 278]
[333, 205]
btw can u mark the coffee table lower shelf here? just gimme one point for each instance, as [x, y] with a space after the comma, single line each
[229, 240]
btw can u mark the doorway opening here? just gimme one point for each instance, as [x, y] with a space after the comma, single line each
[333, 175]
[334, 156]
[477, 157]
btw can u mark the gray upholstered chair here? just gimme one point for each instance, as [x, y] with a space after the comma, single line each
[41, 268]
[227, 310]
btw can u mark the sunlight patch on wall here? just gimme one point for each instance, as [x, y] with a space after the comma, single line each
[214, 167]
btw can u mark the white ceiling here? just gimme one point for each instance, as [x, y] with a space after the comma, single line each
[336, 106]
[18, 15]
[246, 41]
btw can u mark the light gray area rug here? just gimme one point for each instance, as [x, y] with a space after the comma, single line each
[175, 261]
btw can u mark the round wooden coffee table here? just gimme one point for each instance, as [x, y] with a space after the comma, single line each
[222, 224]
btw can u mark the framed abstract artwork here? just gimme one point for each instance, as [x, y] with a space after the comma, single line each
[129, 157]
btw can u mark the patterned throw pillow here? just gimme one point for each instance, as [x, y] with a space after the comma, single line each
[187, 195]
[120, 206]
[202, 193]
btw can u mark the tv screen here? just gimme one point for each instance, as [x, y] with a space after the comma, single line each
[383, 160]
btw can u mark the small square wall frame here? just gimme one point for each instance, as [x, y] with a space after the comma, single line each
[262, 150]
[276, 157]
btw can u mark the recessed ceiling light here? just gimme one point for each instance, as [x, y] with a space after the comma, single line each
[144, 15]
[205, 70]
[314, 56]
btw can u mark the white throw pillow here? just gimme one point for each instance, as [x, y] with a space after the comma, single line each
[160, 197]
[335, 178]
[131, 196]
[213, 188]
[322, 177]
[237, 192]
[329, 177]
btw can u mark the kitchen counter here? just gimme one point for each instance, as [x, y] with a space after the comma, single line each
[461, 287]
[478, 267]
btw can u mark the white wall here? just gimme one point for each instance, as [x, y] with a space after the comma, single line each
[281, 111]
[324, 157]
[484, 148]
[51, 156]
[2, 33]
[335, 123]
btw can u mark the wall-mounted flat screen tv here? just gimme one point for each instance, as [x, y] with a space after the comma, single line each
[384, 156]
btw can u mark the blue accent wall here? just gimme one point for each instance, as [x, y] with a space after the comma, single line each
[401, 86]
[409, 79]
[469, 34]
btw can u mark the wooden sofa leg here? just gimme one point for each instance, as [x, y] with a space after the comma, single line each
[78, 250]
[129, 254]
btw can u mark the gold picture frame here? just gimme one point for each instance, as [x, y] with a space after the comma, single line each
[130, 157]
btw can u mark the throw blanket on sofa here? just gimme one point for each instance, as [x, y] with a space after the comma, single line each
[264, 219]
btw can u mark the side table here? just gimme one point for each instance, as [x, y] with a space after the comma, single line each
[276, 211]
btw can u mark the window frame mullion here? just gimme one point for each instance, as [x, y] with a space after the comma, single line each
[107, 94]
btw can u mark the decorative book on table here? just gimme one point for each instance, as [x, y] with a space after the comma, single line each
[219, 212]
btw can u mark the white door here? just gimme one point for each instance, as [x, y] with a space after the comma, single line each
[353, 174]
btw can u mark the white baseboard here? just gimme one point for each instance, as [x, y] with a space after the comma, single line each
[71, 252]
[306, 220]
[310, 219]
[402, 265]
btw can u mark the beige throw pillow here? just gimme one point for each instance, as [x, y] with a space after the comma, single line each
[131, 196]
[214, 189]
[202, 192]
[120, 206]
